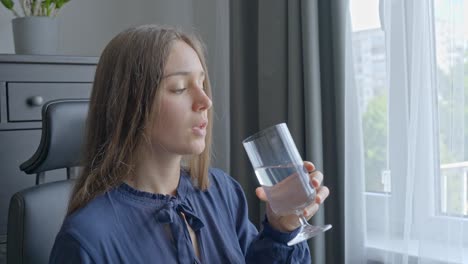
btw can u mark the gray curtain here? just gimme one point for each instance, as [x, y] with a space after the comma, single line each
[285, 67]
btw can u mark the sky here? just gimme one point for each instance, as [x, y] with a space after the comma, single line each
[365, 13]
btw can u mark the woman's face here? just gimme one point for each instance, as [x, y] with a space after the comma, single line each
[181, 122]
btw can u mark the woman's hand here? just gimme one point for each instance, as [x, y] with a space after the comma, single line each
[290, 222]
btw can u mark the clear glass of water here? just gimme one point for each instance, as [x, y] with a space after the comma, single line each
[281, 172]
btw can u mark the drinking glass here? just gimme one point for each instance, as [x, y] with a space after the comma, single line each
[281, 172]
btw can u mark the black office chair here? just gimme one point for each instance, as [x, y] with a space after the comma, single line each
[36, 214]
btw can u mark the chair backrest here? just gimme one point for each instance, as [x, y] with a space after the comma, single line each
[63, 123]
[34, 219]
[36, 214]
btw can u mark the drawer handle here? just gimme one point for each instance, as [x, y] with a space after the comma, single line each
[35, 100]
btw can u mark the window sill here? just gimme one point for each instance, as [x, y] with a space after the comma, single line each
[381, 250]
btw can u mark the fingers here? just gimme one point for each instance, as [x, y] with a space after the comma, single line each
[310, 167]
[260, 192]
[310, 210]
[322, 194]
[316, 178]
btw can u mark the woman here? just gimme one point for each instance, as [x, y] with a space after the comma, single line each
[146, 193]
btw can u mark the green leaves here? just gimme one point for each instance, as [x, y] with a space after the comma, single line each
[8, 4]
[60, 3]
[46, 6]
[37, 7]
[46, 3]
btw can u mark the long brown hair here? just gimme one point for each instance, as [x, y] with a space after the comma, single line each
[123, 103]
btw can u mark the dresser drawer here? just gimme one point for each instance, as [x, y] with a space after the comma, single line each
[25, 100]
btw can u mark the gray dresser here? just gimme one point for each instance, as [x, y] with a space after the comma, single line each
[26, 82]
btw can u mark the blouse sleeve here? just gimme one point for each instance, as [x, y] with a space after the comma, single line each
[269, 245]
[68, 250]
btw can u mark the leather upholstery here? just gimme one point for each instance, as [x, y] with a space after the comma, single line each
[36, 214]
[34, 219]
[63, 123]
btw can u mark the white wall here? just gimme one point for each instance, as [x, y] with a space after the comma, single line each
[86, 26]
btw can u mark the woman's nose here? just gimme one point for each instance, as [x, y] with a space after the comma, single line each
[202, 101]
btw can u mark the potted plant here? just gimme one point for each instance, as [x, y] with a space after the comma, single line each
[35, 30]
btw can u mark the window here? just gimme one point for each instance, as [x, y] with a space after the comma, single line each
[410, 79]
[452, 76]
[370, 62]
[370, 76]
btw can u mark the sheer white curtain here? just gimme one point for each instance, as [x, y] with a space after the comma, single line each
[406, 169]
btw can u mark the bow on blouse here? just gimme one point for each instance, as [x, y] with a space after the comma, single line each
[171, 213]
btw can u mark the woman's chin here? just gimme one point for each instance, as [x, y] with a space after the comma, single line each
[198, 149]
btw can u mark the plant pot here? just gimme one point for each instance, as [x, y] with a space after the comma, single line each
[35, 35]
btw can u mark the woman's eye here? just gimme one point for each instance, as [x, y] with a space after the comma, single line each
[180, 90]
[203, 86]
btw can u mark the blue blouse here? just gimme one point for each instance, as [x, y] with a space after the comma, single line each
[125, 225]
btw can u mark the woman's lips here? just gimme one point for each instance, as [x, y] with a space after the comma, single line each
[200, 130]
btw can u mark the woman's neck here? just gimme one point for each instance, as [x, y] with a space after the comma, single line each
[157, 174]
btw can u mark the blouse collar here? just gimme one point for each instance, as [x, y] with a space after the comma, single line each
[184, 188]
